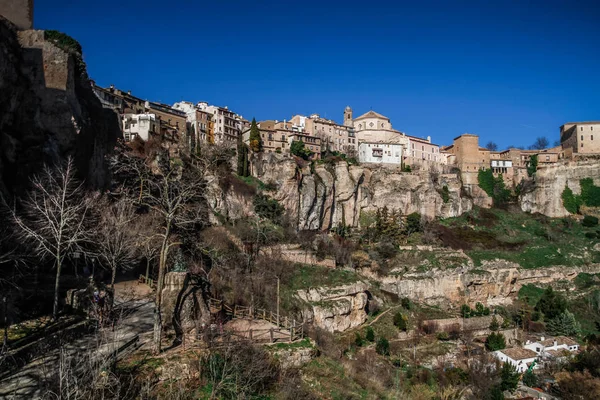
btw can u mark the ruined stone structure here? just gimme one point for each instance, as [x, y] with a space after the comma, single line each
[19, 12]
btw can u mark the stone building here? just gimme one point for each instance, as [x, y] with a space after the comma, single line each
[227, 125]
[173, 123]
[334, 137]
[380, 153]
[19, 12]
[200, 125]
[577, 138]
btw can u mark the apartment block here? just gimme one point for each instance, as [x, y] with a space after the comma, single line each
[580, 138]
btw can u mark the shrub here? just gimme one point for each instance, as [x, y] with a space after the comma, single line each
[493, 186]
[589, 221]
[445, 194]
[406, 303]
[551, 304]
[509, 377]
[571, 201]
[530, 379]
[495, 341]
[413, 223]
[358, 340]
[383, 347]
[494, 325]
[300, 150]
[443, 335]
[406, 168]
[465, 311]
[590, 194]
[532, 165]
[400, 321]
[370, 334]
[268, 208]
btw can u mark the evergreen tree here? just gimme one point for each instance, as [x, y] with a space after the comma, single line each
[495, 341]
[256, 143]
[370, 335]
[564, 324]
[509, 377]
[530, 379]
[494, 325]
[298, 149]
[383, 347]
[400, 321]
[242, 160]
[551, 304]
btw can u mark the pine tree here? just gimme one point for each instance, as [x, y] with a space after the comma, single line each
[494, 326]
[256, 143]
[509, 377]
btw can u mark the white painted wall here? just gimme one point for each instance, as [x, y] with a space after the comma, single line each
[380, 153]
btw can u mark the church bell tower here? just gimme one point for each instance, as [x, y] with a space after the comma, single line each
[348, 116]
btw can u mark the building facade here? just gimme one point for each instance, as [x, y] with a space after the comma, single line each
[139, 125]
[580, 138]
[380, 153]
[227, 125]
[19, 12]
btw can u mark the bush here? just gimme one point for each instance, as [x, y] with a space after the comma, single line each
[590, 194]
[530, 379]
[268, 208]
[383, 347]
[589, 221]
[445, 194]
[370, 334]
[571, 201]
[494, 325]
[400, 321]
[406, 303]
[413, 223]
[495, 341]
[493, 186]
[532, 165]
[465, 311]
[443, 336]
[300, 150]
[551, 304]
[358, 340]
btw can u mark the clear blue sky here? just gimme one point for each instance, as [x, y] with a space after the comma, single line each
[507, 70]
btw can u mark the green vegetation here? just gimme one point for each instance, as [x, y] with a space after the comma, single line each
[445, 194]
[530, 379]
[71, 46]
[400, 321]
[590, 196]
[383, 347]
[256, 143]
[494, 325]
[551, 304]
[564, 324]
[589, 221]
[300, 150]
[268, 208]
[532, 241]
[258, 184]
[530, 293]
[509, 377]
[243, 163]
[493, 186]
[495, 341]
[532, 165]
[480, 310]
[300, 344]
[370, 334]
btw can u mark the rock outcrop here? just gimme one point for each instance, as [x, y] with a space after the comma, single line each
[544, 196]
[332, 195]
[494, 283]
[48, 111]
[335, 309]
[182, 302]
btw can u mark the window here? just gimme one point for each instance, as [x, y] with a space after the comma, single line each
[592, 137]
[581, 137]
[371, 124]
[582, 128]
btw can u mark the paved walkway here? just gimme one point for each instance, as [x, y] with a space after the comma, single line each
[136, 313]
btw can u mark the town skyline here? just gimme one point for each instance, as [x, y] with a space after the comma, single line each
[433, 75]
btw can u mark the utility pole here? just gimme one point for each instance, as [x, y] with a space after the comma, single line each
[278, 301]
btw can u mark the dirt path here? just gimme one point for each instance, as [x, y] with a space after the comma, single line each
[136, 313]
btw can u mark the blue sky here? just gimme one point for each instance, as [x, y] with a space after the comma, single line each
[509, 71]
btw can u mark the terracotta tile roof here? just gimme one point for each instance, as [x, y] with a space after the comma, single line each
[519, 353]
[559, 340]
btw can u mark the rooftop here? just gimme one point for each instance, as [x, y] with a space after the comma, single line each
[371, 114]
[559, 340]
[519, 353]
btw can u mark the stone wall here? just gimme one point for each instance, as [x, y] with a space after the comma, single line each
[294, 254]
[19, 12]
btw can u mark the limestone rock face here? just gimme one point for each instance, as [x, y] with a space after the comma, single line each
[178, 293]
[48, 112]
[294, 358]
[494, 283]
[336, 309]
[333, 195]
[545, 195]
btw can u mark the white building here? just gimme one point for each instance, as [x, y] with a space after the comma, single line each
[142, 125]
[520, 358]
[553, 347]
[380, 153]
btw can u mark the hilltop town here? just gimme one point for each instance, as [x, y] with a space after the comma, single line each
[185, 252]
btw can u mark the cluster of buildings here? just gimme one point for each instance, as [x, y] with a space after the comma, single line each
[537, 352]
[369, 137]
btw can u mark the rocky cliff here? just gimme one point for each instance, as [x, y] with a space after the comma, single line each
[48, 111]
[330, 195]
[544, 196]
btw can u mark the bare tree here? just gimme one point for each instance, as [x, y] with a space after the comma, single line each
[54, 217]
[491, 146]
[115, 238]
[175, 196]
[540, 143]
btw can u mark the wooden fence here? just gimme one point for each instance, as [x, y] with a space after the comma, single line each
[288, 329]
[150, 282]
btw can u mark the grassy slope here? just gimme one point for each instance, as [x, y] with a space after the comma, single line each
[529, 240]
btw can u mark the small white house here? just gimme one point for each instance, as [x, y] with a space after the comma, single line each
[142, 125]
[380, 153]
[520, 358]
[553, 347]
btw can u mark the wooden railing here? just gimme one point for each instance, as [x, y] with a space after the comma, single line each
[287, 327]
[150, 282]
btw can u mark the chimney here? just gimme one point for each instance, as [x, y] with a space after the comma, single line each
[129, 92]
[112, 87]
[543, 338]
[555, 343]
[429, 139]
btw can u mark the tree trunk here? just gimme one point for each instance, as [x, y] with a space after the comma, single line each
[147, 268]
[56, 291]
[113, 277]
[158, 299]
